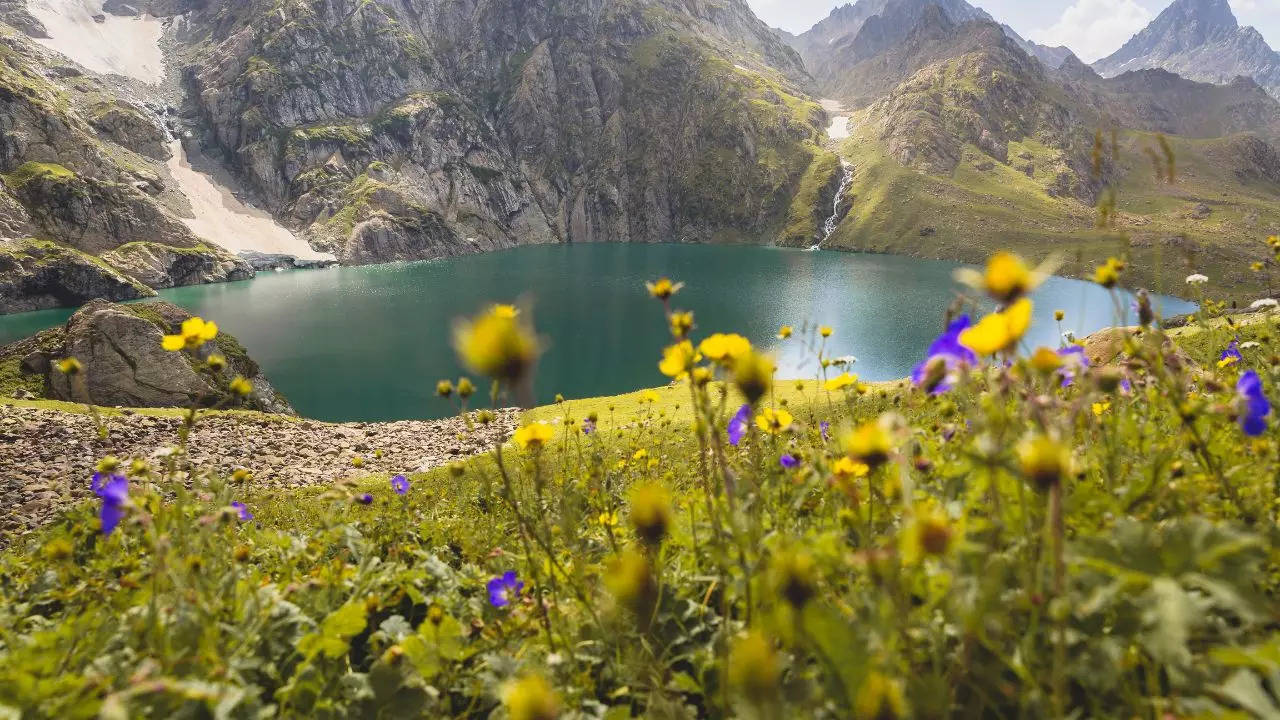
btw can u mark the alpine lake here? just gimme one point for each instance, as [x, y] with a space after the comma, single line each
[369, 343]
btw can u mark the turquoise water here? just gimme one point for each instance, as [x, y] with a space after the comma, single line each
[369, 343]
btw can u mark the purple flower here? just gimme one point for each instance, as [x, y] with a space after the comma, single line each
[1073, 361]
[504, 588]
[114, 491]
[788, 461]
[824, 427]
[738, 425]
[1254, 404]
[242, 512]
[588, 426]
[937, 373]
[365, 499]
[400, 484]
[1231, 355]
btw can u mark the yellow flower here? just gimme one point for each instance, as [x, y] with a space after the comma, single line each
[753, 374]
[677, 359]
[846, 469]
[1257, 267]
[194, 333]
[1044, 460]
[785, 332]
[1108, 275]
[794, 576]
[216, 362]
[608, 519]
[651, 513]
[496, 345]
[870, 444]
[241, 387]
[1001, 331]
[70, 366]
[1046, 360]
[774, 421]
[629, 577]
[444, 388]
[650, 396]
[681, 323]
[929, 532]
[508, 312]
[531, 698]
[1006, 278]
[663, 289]
[465, 388]
[1100, 407]
[722, 348]
[701, 375]
[754, 667]
[825, 331]
[534, 435]
[840, 383]
[1059, 315]
[879, 698]
[640, 454]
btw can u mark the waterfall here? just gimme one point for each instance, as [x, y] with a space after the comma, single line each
[829, 227]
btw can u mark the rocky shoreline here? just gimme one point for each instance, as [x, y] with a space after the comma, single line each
[48, 455]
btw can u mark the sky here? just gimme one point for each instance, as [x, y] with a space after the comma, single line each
[1093, 29]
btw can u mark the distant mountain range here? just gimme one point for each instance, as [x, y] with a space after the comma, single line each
[1199, 40]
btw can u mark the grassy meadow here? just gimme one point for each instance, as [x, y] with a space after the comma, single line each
[1083, 531]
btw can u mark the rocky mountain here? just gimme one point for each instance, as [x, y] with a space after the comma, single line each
[405, 130]
[401, 129]
[81, 170]
[1199, 40]
[966, 143]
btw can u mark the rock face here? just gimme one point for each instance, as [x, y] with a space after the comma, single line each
[82, 170]
[1200, 40]
[35, 275]
[163, 266]
[425, 128]
[125, 365]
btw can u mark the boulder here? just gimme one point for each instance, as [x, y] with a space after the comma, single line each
[124, 365]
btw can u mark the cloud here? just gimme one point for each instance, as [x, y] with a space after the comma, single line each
[1094, 29]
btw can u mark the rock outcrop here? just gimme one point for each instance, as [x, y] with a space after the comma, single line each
[119, 347]
[35, 275]
[163, 266]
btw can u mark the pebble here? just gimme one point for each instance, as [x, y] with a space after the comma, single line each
[49, 454]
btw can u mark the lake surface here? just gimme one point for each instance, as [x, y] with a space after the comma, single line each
[369, 343]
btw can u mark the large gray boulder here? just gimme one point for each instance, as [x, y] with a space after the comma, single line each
[39, 274]
[124, 365]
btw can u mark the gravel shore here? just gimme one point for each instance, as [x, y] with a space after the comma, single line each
[45, 452]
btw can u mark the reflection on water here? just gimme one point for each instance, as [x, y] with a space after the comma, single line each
[368, 343]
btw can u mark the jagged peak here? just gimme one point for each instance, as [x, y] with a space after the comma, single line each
[1211, 13]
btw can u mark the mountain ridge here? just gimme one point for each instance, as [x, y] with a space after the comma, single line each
[1201, 40]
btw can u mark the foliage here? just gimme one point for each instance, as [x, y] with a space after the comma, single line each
[1040, 540]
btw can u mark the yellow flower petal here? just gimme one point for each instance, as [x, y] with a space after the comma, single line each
[173, 343]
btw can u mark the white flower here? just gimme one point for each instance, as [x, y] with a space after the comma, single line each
[1197, 279]
[1265, 304]
[844, 361]
[1250, 345]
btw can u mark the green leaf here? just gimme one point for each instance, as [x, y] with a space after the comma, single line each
[1245, 689]
[335, 632]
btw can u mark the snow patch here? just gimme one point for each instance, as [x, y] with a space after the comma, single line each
[221, 218]
[128, 46]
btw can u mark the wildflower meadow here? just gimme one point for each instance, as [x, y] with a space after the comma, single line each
[1080, 531]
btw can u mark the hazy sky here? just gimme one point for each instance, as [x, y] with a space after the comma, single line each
[1092, 28]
